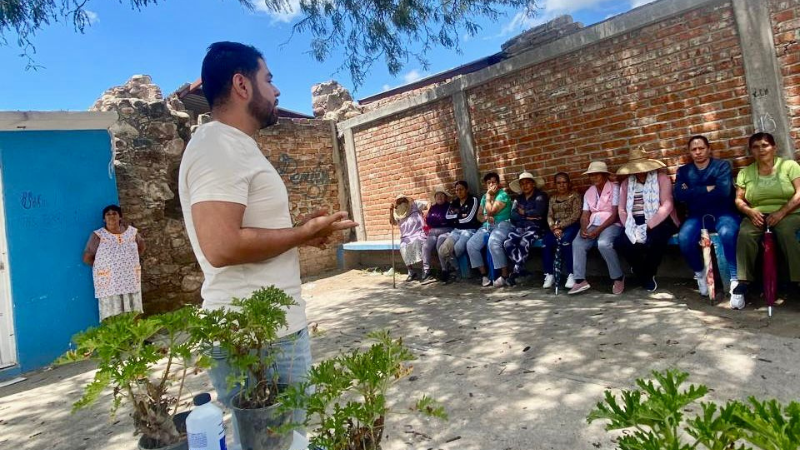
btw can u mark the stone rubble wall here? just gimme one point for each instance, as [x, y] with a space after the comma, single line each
[150, 137]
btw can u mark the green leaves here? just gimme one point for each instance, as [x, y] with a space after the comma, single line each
[128, 349]
[654, 418]
[245, 333]
[345, 397]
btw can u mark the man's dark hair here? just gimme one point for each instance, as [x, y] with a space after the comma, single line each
[463, 183]
[112, 208]
[759, 136]
[491, 175]
[701, 137]
[222, 62]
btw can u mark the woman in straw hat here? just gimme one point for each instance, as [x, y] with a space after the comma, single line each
[563, 219]
[705, 186]
[768, 194]
[600, 227]
[438, 228]
[647, 212]
[406, 213]
[495, 213]
[529, 218]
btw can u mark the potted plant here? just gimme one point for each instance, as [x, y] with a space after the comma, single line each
[128, 349]
[347, 404]
[246, 334]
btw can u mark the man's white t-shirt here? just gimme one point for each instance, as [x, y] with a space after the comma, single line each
[222, 163]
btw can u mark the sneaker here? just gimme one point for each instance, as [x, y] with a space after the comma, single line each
[427, 276]
[485, 281]
[549, 280]
[500, 282]
[618, 287]
[412, 276]
[580, 287]
[737, 301]
[734, 284]
[651, 285]
[570, 282]
[702, 285]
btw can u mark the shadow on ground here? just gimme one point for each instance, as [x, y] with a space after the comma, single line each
[517, 368]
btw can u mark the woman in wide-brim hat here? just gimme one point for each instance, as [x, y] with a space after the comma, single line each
[406, 213]
[528, 218]
[648, 215]
[599, 226]
[439, 226]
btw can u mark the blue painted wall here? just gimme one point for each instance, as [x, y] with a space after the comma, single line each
[55, 185]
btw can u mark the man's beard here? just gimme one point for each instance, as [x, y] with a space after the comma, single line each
[261, 110]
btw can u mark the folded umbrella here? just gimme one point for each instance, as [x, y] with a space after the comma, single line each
[708, 262]
[770, 268]
[557, 264]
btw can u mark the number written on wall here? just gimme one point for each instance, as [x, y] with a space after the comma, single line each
[30, 200]
[760, 92]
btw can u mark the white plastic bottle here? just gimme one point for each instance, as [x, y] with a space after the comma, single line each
[204, 427]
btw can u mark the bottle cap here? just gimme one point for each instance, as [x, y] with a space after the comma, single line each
[201, 399]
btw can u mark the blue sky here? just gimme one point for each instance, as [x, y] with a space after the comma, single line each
[168, 42]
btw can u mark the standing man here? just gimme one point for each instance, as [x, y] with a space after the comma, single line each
[236, 207]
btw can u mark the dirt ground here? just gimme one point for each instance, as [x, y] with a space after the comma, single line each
[516, 368]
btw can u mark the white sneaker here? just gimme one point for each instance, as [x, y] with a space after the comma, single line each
[702, 284]
[570, 282]
[734, 283]
[500, 282]
[485, 281]
[549, 280]
[737, 301]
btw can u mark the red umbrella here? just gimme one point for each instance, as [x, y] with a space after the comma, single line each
[770, 267]
[708, 263]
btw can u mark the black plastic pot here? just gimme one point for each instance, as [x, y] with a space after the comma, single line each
[255, 427]
[146, 443]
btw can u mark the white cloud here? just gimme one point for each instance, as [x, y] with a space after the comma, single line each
[523, 21]
[386, 87]
[92, 16]
[412, 76]
[291, 13]
[638, 3]
[570, 6]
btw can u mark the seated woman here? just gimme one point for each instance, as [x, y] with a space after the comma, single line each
[562, 220]
[599, 226]
[768, 194]
[438, 228]
[706, 187]
[407, 214]
[648, 215]
[528, 218]
[495, 213]
[463, 212]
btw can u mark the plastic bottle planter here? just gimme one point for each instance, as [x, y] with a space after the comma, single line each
[256, 425]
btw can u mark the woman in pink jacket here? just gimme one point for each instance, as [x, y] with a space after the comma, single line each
[648, 215]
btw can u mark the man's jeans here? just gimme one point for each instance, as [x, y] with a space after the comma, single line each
[292, 365]
[726, 226]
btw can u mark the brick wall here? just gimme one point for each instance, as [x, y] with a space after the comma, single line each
[654, 87]
[785, 15]
[410, 153]
[302, 150]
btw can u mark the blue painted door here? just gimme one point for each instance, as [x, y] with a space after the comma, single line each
[55, 185]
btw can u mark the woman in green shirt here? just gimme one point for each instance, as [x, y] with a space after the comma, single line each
[495, 213]
[768, 194]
